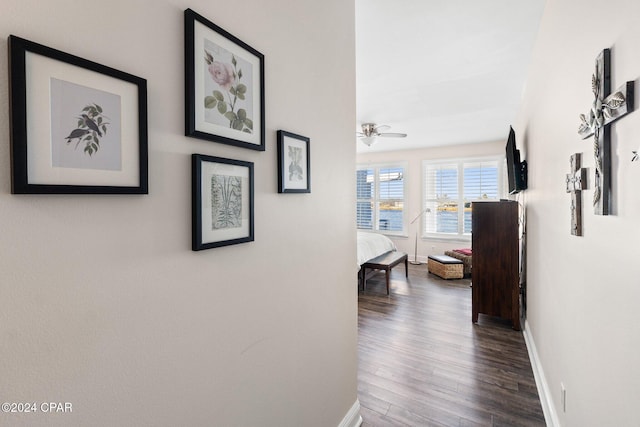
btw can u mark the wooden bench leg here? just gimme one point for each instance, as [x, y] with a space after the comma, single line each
[406, 267]
[388, 277]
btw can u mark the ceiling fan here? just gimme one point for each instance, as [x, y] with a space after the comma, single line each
[370, 131]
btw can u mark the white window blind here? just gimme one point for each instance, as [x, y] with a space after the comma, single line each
[481, 182]
[451, 186]
[365, 198]
[380, 192]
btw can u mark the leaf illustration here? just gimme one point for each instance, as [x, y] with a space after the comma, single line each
[222, 107]
[208, 57]
[241, 88]
[240, 74]
[248, 123]
[91, 127]
[218, 95]
[237, 125]
[242, 114]
[230, 115]
[241, 96]
[233, 60]
[210, 102]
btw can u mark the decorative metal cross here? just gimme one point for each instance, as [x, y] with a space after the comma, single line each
[576, 182]
[606, 108]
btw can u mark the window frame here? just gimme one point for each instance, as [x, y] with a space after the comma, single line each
[460, 162]
[376, 199]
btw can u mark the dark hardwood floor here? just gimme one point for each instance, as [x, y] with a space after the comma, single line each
[422, 362]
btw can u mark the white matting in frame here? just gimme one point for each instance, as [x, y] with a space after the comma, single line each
[40, 72]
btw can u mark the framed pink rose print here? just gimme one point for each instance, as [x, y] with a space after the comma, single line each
[224, 86]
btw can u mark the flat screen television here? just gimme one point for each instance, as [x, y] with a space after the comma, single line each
[516, 169]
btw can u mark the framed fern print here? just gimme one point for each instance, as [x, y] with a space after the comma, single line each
[222, 202]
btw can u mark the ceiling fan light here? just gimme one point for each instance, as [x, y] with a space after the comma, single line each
[368, 140]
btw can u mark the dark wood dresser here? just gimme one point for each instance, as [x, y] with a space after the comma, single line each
[495, 273]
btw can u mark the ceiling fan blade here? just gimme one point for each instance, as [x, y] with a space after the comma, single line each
[393, 135]
[360, 134]
[382, 127]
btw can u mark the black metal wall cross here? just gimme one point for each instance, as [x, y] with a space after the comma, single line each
[606, 108]
[576, 182]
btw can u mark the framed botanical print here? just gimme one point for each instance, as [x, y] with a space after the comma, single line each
[222, 202]
[224, 86]
[76, 126]
[294, 163]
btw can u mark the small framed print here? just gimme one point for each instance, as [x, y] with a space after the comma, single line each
[224, 86]
[222, 202]
[294, 163]
[77, 127]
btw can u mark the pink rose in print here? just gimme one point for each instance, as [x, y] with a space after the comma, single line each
[222, 74]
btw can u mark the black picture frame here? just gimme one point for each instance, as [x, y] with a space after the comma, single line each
[222, 202]
[224, 86]
[59, 147]
[294, 163]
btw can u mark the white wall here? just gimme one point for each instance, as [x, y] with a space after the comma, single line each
[414, 196]
[102, 302]
[583, 291]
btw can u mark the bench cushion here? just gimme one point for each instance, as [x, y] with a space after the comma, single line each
[445, 259]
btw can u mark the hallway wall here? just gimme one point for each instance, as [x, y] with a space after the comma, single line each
[582, 291]
[102, 302]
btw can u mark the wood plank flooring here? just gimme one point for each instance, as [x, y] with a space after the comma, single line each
[422, 362]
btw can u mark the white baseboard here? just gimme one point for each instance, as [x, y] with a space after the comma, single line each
[353, 418]
[546, 400]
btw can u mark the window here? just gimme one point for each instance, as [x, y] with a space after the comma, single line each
[380, 194]
[450, 187]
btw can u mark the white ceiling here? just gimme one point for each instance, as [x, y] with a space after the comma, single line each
[443, 71]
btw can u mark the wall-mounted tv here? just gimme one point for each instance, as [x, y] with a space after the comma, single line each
[516, 169]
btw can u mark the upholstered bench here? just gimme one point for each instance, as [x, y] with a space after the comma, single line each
[445, 266]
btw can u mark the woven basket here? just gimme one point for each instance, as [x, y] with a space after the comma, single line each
[467, 260]
[446, 271]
